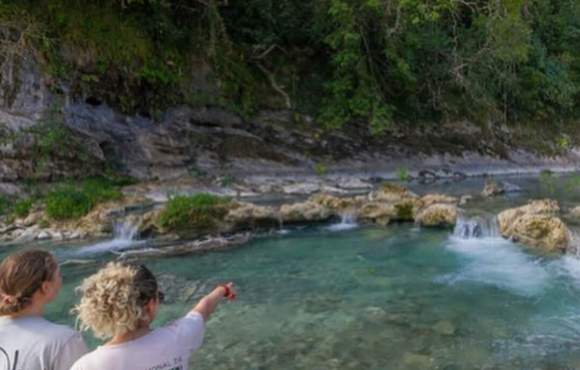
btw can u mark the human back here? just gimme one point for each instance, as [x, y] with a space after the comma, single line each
[28, 281]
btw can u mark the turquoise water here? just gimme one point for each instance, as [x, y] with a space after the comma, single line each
[372, 298]
[392, 298]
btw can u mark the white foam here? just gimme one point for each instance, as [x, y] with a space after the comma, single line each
[498, 262]
[124, 238]
[347, 222]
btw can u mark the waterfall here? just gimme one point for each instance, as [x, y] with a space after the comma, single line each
[124, 231]
[124, 237]
[347, 222]
[478, 227]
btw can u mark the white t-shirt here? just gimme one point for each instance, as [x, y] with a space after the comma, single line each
[165, 348]
[33, 343]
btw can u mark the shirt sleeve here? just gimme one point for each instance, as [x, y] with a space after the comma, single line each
[70, 352]
[190, 330]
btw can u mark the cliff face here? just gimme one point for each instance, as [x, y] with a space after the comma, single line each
[46, 134]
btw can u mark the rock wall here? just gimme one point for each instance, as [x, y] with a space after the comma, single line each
[187, 141]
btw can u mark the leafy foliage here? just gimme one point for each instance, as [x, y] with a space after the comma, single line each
[4, 205]
[67, 203]
[375, 61]
[22, 207]
[198, 212]
[70, 201]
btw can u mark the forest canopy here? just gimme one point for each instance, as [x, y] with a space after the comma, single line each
[383, 62]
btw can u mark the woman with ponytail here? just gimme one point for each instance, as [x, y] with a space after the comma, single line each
[28, 281]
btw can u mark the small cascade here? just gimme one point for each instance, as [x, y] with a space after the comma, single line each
[281, 229]
[476, 227]
[124, 236]
[125, 230]
[347, 222]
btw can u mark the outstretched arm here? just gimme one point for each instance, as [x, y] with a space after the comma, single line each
[207, 305]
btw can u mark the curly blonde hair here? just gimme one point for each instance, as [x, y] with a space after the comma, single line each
[113, 299]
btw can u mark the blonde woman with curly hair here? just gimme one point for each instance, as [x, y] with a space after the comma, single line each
[28, 281]
[119, 303]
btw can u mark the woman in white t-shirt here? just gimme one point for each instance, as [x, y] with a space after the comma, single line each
[28, 281]
[119, 303]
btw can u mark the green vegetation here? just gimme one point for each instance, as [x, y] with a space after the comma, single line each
[53, 139]
[320, 169]
[403, 174]
[405, 211]
[22, 207]
[383, 62]
[67, 203]
[547, 181]
[4, 205]
[72, 202]
[200, 212]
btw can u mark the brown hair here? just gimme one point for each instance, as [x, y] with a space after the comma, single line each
[21, 275]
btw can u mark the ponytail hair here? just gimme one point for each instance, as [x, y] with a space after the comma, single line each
[21, 275]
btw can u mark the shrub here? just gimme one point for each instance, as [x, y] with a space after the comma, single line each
[403, 174]
[67, 203]
[320, 169]
[4, 205]
[100, 190]
[198, 212]
[22, 208]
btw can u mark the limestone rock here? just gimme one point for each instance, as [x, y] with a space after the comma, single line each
[304, 211]
[430, 199]
[575, 212]
[492, 188]
[301, 188]
[537, 225]
[437, 215]
[464, 199]
[248, 214]
[377, 212]
[335, 203]
[390, 192]
[352, 183]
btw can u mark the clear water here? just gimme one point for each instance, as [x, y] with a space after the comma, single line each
[398, 297]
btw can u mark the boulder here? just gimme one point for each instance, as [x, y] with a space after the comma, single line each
[380, 213]
[437, 215]
[537, 225]
[390, 192]
[304, 212]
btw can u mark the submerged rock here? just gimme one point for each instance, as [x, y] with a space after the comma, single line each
[537, 225]
[492, 188]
